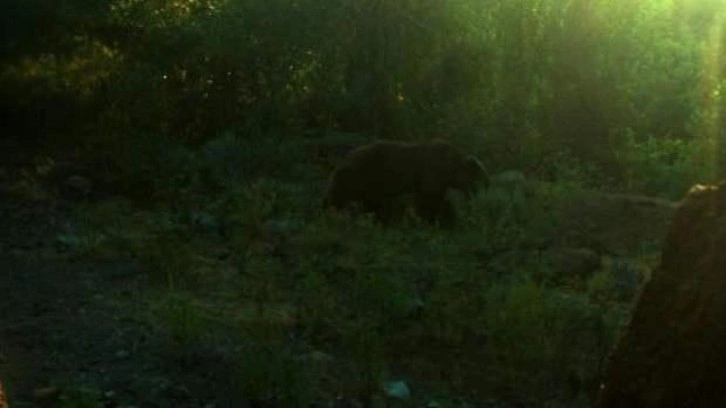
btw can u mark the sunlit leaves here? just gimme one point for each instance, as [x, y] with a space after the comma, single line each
[162, 13]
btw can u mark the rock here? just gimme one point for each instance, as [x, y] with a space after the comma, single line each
[68, 242]
[512, 187]
[509, 178]
[673, 353]
[397, 390]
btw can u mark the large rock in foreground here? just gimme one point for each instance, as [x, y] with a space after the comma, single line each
[674, 351]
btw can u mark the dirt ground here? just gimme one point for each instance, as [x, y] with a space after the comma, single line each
[71, 327]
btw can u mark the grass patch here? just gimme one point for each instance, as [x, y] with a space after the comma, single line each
[405, 301]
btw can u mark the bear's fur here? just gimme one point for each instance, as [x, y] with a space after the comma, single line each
[376, 177]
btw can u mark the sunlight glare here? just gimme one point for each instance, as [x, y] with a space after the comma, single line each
[712, 78]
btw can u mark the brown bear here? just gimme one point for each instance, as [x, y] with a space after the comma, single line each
[376, 177]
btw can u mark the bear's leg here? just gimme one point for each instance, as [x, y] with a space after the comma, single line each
[375, 207]
[436, 208]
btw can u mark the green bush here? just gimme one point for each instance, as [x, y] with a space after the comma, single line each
[664, 167]
[546, 344]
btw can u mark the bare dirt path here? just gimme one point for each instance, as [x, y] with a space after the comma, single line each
[65, 322]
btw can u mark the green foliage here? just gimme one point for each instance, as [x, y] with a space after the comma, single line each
[619, 280]
[182, 318]
[230, 161]
[515, 216]
[82, 397]
[662, 167]
[532, 330]
[365, 345]
[370, 274]
[167, 255]
[365, 287]
[550, 76]
[214, 106]
[266, 373]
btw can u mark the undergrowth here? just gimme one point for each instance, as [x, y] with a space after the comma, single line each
[377, 302]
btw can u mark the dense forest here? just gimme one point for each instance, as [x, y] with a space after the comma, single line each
[163, 165]
[627, 92]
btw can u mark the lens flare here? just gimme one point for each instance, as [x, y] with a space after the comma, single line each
[712, 94]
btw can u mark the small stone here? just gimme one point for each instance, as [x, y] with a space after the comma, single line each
[397, 389]
[68, 242]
